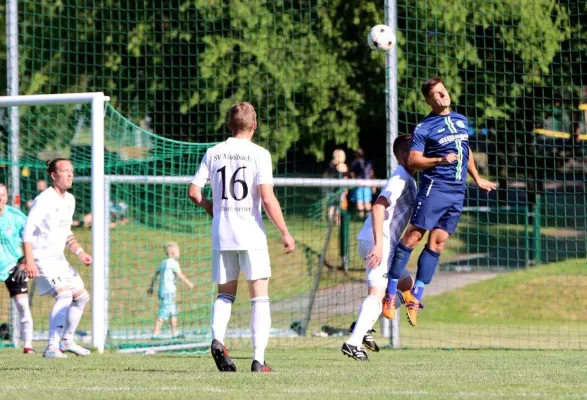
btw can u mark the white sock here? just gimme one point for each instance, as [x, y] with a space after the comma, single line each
[74, 315]
[57, 317]
[26, 320]
[368, 314]
[260, 325]
[221, 315]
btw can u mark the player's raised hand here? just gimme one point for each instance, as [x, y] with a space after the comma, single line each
[486, 185]
[449, 159]
[31, 270]
[288, 242]
[374, 258]
[85, 258]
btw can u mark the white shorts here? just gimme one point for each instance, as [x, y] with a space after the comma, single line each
[227, 264]
[377, 277]
[57, 274]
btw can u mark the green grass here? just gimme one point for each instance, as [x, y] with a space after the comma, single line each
[535, 295]
[299, 373]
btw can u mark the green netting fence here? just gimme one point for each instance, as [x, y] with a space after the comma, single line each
[512, 276]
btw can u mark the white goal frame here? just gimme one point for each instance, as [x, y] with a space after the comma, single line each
[97, 101]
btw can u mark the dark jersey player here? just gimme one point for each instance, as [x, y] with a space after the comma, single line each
[440, 149]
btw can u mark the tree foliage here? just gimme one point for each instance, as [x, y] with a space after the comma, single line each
[305, 65]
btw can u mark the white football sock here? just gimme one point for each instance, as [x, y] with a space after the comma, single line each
[74, 315]
[26, 320]
[368, 314]
[260, 326]
[57, 317]
[221, 315]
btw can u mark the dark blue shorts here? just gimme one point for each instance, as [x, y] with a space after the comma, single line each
[438, 207]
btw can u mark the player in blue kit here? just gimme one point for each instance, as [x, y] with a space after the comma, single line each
[440, 149]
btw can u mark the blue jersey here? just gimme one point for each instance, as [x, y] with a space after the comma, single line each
[438, 135]
[11, 226]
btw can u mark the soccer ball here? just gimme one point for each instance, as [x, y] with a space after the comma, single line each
[381, 38]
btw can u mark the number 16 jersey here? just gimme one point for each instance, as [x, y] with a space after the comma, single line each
[235, 169]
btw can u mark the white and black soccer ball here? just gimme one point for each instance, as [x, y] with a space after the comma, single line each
[381, 38]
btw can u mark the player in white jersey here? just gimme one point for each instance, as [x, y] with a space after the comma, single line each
[46, 234]
[379, 236]
[240, 173]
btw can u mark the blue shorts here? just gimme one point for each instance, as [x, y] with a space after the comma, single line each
[362, 194]
[167, 306]
[438, 207]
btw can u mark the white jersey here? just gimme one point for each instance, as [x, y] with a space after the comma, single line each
[48, 224]
[235, 169]
[400, 192]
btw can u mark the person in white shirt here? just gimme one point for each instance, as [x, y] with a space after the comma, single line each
[240, 173]
[380, 234]
[46, 233]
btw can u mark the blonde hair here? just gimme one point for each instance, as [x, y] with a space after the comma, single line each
[168, 246]
[242, 117]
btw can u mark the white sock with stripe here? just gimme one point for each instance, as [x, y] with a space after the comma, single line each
[221, 315]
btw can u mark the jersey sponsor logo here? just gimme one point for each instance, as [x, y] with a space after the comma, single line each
[231, 157]
[452, 138]
[225, 208]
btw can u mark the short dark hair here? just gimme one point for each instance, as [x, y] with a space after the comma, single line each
[429, 84]
[401, 143]
[52, 164]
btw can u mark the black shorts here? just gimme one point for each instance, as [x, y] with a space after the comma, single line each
[13, 287]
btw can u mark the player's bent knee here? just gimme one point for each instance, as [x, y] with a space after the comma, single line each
[413, 236]
[81, 299]
[377, 291]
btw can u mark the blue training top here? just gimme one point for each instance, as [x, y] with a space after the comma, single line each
[11, 226]
[438, 135]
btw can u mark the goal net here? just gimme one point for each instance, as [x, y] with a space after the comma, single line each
[316, 291]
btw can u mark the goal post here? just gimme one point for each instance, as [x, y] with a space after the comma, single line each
[97, 102]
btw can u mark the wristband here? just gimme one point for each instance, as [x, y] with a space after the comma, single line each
[78, 251]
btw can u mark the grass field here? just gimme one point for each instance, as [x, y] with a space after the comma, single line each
[309, 374]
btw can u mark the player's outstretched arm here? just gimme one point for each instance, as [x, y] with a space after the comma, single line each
[273, 210]
[481, 182]
[378, 215]
[73, 245]
[417, 160]
[197, 197]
